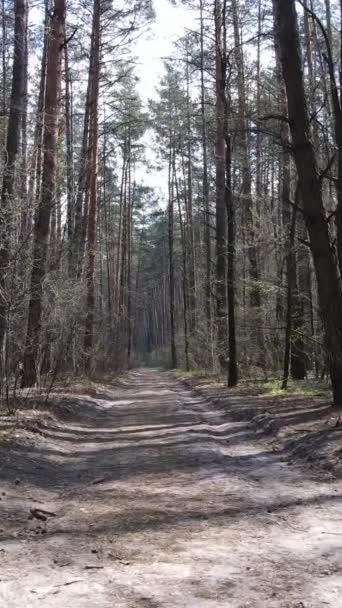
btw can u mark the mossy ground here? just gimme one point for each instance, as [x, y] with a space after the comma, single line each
[271, 387]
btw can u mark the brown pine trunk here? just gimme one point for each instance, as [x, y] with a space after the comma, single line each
[221, 216]
[41, 229]
[24, 211]
[205, 189]
[119, 251]
[129, 253]
[190, 223]
[246, 187]
[69, 159]
[293, 346]
[328, 19]
[184, 266]
[4, 74]
[36, 162]
[93, 169]
[17, 105]
[233, 374]
[171, 261]
[291, 279]
[82, 191]
[328, 282]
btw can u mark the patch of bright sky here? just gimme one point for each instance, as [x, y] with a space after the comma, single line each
[151, 50]
[157, 44]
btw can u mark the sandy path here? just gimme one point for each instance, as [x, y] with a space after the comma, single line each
[161, 503]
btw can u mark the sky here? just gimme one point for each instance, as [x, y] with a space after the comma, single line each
[170, 24]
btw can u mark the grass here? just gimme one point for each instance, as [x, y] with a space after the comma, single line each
[195, 373]
[299, 388]
[269, 388]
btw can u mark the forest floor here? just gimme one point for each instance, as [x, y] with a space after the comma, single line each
[159, 495]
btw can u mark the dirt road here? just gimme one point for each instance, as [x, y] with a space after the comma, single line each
[157, 501]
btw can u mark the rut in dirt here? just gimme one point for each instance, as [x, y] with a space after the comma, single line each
[160, 500]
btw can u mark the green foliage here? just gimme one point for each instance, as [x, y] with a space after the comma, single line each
[298, 388]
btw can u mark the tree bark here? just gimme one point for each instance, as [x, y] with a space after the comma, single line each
[17, 105]
[171, 261]
[221, 215]
[246, 189]
[233, 374]
[205, 191]
[69, 159]
[41, 229]
[93, 169]
[184, 265]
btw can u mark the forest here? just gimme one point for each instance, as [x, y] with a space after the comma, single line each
[233, 266]
[170, 263]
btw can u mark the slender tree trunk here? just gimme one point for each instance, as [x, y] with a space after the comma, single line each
[290, 266]
[69, 159]
[184, 264]
[24, 211]
[119, 260]
[129, 253]
[246, 189]
[205, 191]
[171, 261]
[4, 73]
[190, 223]
[36, 164]
[221, 216]
[258, 146]
[93, 169]
[41, 231]
[81, 204]
[328, 19]
[232, 346]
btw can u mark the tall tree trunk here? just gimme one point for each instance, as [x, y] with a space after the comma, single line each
[171, 260]
[184, 265]
[4, 73]
[34, 185]
[293, 348]
[291, 279]
[246, 189]
[24, 211]
[258, 150]
[93, 169]
[81, 202]
[129, 252]
[17, 105]
[41, 229]
[205, 190]
[221, 216]
[69, 159]
[232, 347]
[190, 223]
[328, 283]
